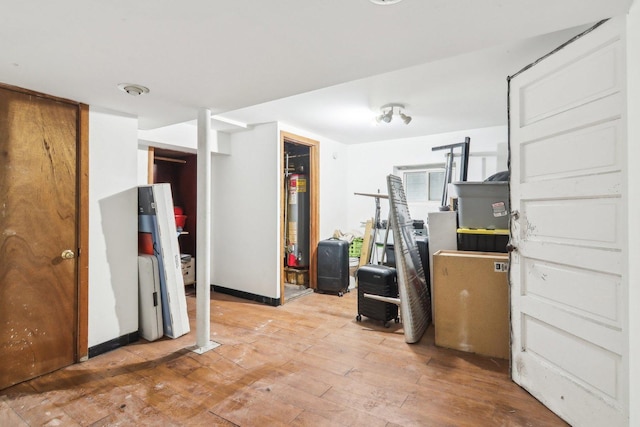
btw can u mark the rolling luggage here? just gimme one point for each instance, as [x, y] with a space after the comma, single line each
[423, 249]
[333, 266]
[377, 280]
[149, 304]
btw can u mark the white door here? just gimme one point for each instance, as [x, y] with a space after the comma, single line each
[568, 271]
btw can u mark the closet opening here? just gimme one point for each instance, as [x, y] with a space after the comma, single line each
[179, 169]
[299, 238]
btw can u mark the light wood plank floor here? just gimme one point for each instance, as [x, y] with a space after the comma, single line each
[305, 363]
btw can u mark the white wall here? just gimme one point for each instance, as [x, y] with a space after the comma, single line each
[370, 163]
[181, 137]
[633, 147]
[113, 226]
[246, 204]
[143, 165]
[245, 213]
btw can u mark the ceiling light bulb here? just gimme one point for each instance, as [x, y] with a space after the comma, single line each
[133, 89]
[386, 117]
[406, 119]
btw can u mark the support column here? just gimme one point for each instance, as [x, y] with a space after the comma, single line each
[203, 237]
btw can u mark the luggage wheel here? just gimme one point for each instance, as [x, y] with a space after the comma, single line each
[397, 320]
[340, 293]
[358, 318]
[386, 324]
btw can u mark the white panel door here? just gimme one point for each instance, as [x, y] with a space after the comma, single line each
[568, 270]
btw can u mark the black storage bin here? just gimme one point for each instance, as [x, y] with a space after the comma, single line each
[377, 280]
[483, 240]
[333, 266]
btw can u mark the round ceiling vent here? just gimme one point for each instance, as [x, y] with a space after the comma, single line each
[133, 89]
[385, 2]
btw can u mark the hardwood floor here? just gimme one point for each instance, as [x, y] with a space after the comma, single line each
[307, 363]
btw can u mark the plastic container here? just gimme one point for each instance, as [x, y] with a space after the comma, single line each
[482, 240]
[354, 263]
[145, 243]
[180, 221]
[355, 248]
[483, 204]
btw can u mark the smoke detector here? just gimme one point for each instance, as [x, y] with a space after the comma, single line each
[133, 89]
[385, 2]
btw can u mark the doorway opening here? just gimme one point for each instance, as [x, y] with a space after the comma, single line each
[179, 169]
[299, 218]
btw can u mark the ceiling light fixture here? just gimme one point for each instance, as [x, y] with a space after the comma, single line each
[385, 2]
[133, 89]
[387, 111]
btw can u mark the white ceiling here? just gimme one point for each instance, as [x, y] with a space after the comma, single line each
[446, 60]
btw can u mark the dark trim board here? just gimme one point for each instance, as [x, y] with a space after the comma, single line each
[247, 295]
[106, 347]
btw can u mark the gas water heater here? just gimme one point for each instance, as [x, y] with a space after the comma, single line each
[297, 221]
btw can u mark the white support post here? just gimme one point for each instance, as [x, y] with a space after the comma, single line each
[203, 237]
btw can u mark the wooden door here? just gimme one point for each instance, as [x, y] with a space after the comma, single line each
[568, 277]
[38, 223]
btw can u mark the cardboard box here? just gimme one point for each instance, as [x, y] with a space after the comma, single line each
[296, 277]
[189, 271]
[471, 300]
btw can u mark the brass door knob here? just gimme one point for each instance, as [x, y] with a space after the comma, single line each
[67, 254]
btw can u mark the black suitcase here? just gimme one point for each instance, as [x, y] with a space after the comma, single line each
[333, 266]
[377, 280]
[423, 249]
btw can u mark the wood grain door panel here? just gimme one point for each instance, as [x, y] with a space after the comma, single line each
[38, 217]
